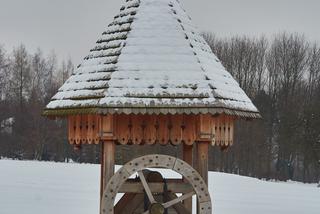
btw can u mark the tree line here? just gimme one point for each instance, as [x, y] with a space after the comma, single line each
[27, 83]
[281, 75]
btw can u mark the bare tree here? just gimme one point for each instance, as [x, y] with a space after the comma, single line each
[3, 73]
[20, 74]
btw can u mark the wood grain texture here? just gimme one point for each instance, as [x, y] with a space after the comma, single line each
[173, 185]
[188, 157]
[151, 129]
[107, 164]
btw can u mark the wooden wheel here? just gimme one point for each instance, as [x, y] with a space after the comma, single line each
[121, 183]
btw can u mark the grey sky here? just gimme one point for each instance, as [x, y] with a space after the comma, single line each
[71, 27]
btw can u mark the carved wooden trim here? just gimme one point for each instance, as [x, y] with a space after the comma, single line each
[150, 129]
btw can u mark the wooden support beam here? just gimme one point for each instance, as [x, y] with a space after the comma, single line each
[173, 185]
[107, 164]
[202, 159]
[204, 139]
[101, 170]
[202, 162]
[188, 157]
[108, 152]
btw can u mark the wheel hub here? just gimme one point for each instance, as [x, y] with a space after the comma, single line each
[156, 208]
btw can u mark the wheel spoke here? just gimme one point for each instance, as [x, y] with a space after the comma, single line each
[146, 187]
[178, 200]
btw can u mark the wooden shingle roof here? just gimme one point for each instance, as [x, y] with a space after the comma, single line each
[151, 59]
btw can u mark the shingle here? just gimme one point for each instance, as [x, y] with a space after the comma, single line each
[151, 59]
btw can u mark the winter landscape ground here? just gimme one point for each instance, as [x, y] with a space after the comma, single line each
[49, 188]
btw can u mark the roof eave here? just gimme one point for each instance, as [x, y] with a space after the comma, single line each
[151, 110]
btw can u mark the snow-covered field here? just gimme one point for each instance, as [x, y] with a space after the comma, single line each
[50, 188]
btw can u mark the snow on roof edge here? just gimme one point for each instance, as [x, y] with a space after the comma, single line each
[153, 110]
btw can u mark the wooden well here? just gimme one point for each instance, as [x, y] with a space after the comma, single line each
[152, 79]
[194, 132]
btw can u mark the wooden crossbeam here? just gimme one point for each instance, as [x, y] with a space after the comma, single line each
[173, 185]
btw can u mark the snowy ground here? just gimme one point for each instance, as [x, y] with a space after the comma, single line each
[51, 188]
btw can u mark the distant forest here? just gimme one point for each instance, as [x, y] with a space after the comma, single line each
[281, 75]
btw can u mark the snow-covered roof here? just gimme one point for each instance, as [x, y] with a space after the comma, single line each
[151, 59]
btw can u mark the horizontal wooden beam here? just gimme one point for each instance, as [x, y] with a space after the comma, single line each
[173, 185]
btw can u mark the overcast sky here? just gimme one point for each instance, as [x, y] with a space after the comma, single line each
[71, 27]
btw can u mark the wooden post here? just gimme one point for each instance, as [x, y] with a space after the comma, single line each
[107, 165]
[205, 138]
[107, 153]
[188, 157]
[202, 159]
[101, 171]
[202, 162]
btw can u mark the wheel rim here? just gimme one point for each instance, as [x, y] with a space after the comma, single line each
[157, 161]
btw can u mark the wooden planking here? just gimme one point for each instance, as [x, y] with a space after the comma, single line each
[162, 131]
[150, 129]
[137, 133]
[213, 131]
[77, 133]
[97, 128]
[143, 125]
[71, 129]
[217, 131]
[90, 129]
[150, 134]
[222, 132]
[231, 131]
[176, 132]
[190, 129]
[226, 131]
[122, 131]
[84, 128]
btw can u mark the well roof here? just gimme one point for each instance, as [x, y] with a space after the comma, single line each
[151, 59]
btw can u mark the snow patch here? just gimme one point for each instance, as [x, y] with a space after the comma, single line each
[46, 187]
